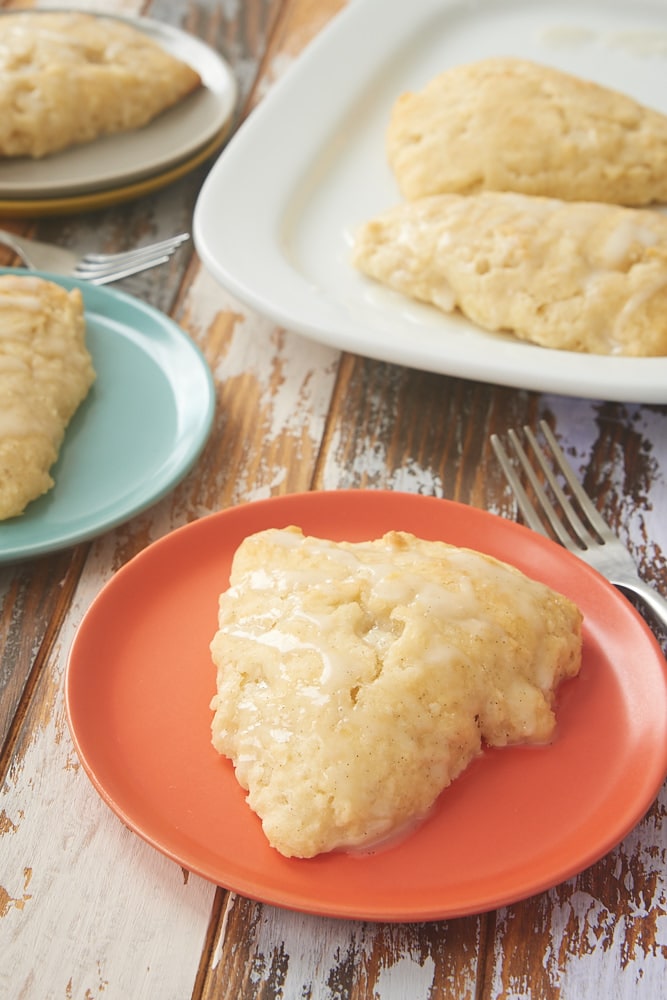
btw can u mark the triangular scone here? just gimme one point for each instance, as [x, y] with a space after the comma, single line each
[577, 276]
[355, 681]
[45, 373]
[67, 78]
[509, 125]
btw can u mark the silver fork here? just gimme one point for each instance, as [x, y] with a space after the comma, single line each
[589, 536]
[98, 269]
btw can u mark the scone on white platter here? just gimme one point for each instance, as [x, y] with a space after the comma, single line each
[45, 374]
[356, 680]
[576, 276]
[508, 124]
[68, 77]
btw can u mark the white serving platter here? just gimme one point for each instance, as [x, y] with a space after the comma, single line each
[275, 217]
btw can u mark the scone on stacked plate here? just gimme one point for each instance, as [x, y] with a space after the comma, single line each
[357, 680]
[69, 77]
[522, 185]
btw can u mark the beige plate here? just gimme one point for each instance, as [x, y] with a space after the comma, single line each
[116, 162]
[20, 208]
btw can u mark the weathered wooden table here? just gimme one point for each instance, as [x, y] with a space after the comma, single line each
[87, 909]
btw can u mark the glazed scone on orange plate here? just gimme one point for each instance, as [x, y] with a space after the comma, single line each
[576, 276]
[69, 77]
[509, 124]
[356, 680]
[45, 374]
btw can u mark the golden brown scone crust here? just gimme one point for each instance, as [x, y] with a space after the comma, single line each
[68, 78]
[505, 124]
[45, 373]
[356, 680]
[577, 276]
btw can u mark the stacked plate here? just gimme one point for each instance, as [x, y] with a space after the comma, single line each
[120, 167]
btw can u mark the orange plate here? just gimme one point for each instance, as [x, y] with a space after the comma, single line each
[518, 821]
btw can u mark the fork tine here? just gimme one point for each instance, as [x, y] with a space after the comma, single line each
[588, 507]
[530, 514]
[583, 538]
[575, 522]
[102, 269]
[88, 270]
[607, 555]
[545, 503]
[115, 273]
[98, 269]
[169, 245]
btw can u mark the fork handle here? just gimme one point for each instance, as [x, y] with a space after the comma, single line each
[649, 596]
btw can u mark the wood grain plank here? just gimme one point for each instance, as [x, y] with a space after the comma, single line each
[315, 958]
[33, 601]
[93, 895]
[603, 933]
[273, 396]
[396, 428]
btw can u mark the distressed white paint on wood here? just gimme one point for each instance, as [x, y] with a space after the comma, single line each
[292, 378]
[88, 909]
[301, 957]
[593, 948]
[306, 370]
[369, 463]
[406, 979]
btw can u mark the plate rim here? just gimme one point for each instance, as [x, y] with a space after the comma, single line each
[263, 510]
[99, 300]
[225, 95]
[268, 281]
[20, 208]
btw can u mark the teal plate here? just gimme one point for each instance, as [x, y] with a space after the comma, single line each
[137, 434]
